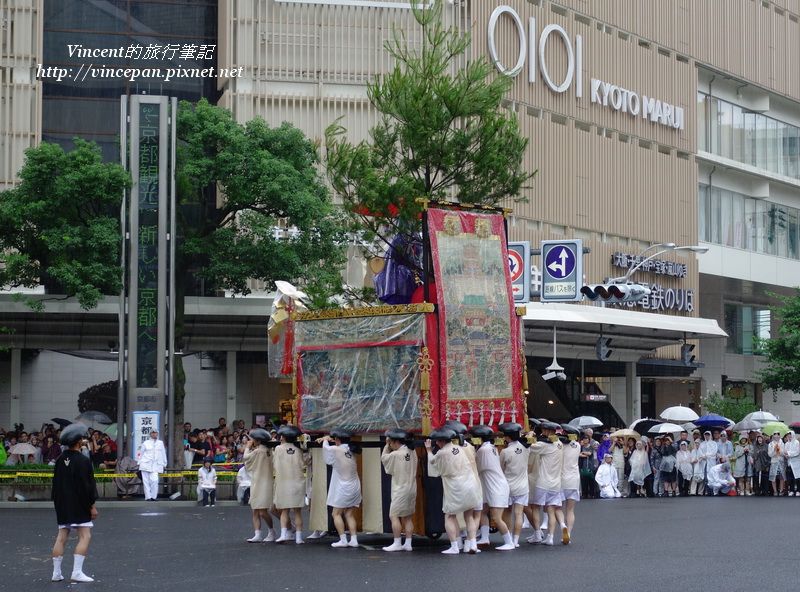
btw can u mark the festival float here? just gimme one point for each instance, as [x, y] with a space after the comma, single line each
[451, 351]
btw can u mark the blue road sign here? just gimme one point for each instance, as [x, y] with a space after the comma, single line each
[560, 262]
[562, 266]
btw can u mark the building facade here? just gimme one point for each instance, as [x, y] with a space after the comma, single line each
[649, 123]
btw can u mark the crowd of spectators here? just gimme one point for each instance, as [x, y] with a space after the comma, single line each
[707, 462]
[223, 443]
[98, 446]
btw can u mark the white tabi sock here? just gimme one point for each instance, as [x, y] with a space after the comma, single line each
[485, 533]
[57, 566]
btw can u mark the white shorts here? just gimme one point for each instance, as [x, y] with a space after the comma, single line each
[522, 500]
[74, 526]
[570, 494]
[543, 497]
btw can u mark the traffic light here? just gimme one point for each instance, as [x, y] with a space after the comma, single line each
[615, 292]
[686, 354]
[601, 347]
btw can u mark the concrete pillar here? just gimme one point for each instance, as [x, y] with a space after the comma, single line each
[16, 387]
[230, 387]
[633, 393]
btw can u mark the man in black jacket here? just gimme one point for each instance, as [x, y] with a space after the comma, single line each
[74, 493]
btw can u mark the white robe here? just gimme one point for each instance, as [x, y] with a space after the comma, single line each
[570, 475]
[259, 464]
[514, 460]
[493, 481]
[290, 480]
[461, 487]
[344, 489]
[607, 480]
[401, 464]
[152, 456]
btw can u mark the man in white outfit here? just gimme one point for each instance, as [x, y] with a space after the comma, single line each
[152, 460]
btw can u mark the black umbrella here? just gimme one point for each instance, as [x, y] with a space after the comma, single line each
[61, 421]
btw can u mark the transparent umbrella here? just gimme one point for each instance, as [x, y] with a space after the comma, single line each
[94, 417]
[678, 414]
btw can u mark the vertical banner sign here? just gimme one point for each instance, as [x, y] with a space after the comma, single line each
[149, 262]
[144, 422]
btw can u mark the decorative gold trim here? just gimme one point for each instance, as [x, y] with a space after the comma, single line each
[425, 364]
[521, 311]
[367, 311]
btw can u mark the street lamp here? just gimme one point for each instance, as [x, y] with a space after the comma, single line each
[664, 248]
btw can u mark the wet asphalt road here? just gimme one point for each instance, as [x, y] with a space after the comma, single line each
[629, 544]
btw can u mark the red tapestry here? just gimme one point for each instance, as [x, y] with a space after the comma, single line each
[481, 373]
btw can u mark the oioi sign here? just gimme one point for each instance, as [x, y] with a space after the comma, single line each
[533, 49]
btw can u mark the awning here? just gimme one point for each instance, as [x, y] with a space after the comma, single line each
[634, 334]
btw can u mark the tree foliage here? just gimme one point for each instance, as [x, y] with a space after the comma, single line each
[442, 135]
[733, 409]
[61, 226]
[782, 353]
[100, 397]
[267, 181]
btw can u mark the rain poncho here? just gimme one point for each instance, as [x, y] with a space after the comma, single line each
[706, 457]
[793, 454]
[724, 448]
[640, 464]
[607, 481]
[744, 464]
[683, 460]
[720, 478]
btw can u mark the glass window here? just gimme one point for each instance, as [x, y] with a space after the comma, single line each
[743, 324]
[750, 224]
[702, 122]
[714, 217]
[737, 134]
[725, 122]
[725, 218]
[773, 145]
[737, 217]
[750, 139]
[791, 233]
[702, 218]
[761, 141]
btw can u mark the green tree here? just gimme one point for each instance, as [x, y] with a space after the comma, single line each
[442, 135]
[274, 219]
[782, 353]
[60, 226]
[733, 409]
[252, 205]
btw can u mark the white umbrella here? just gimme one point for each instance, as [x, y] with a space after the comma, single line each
[586, 421]
[760, 415]
[665, 428]
[22, 448]
[679, 414]
[689, 426]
